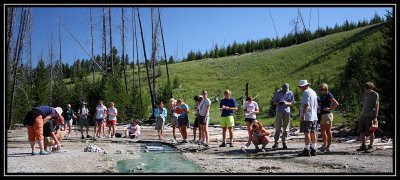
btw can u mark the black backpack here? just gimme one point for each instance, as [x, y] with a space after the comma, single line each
[31, 116]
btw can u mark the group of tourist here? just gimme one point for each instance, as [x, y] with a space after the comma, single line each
[47, 125]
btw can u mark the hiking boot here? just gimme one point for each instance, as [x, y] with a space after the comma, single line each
[88, 136]
[83, 137]
[370, 147]
[231, 144]
[362, 148]
[327, 150]
[305, 152]
[312, 152]
[185, 141]
[276, 145]
[223, 145]
[284, 145]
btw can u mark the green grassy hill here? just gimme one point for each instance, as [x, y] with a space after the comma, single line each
[320, 58]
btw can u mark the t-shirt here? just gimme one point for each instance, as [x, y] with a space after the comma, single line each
[133, 129]
[67, 114]
[83, 113]
[369, 103]
[227, 102]
[48, 128]
[250, 106]
[100, 111]
[111, 112]
[197, 108]
[325, 100]
[178, 110]
[158, 112]
[46, 111]
[309, 97]
[184, 107]
[203, 106]
[281, 95]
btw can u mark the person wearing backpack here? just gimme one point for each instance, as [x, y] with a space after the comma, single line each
[34, 121]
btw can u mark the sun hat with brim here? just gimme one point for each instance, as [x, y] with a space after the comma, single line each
[58, 110]
[304, 83]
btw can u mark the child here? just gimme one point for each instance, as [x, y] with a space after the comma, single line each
[133, 130]
[112, 119]
[160, 113]
[174, 113]
[183, 119]
[259, 135]
[197, 100]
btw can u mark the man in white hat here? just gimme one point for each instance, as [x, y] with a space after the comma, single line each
[35, 120]
[308, 118]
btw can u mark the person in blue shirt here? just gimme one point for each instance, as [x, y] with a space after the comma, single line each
[183, 119]
[227, 106]
[160, 113]
[328, 104]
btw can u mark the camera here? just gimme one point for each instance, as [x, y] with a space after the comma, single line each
[281, 102]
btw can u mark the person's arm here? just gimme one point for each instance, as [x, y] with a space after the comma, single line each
[290, 102]
[187, 110]
[208, 110]
[57, 142]
[305, 108]
[234, 108]
[116, 112]
[275, 98]
[47, 118]
[335, 104]
[265, 132]
[164, 114]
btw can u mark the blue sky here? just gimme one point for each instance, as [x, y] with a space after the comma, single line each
[185, 28]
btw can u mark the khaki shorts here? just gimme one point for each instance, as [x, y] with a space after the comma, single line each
[174, 120]
[326, 118]
[364, 124]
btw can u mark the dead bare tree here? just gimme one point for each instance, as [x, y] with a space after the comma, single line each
[111, 47]
[123, 50]
[165, 53]
[104, 44]
[17, 56]
[147, 67]
[51, 68]
[59, 40]
[30, 76]
[133, 50]
[11, 11]
[91, 39]
[137, 62]
[154, 50]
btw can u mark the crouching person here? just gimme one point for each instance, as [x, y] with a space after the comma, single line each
[53, 134]
[133, 129]
[259, 135]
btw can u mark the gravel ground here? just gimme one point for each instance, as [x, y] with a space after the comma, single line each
[342, 159]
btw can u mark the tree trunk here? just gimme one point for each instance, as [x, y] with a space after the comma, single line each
[59, 39]
[133, 51]
[111, 47]
[153, 52]
[92, 40]
[165, 53]
[17, 56]
[51, 68]
[123, 50]
[147, 68]
[10, 28]
[104, 44]
[137, 62]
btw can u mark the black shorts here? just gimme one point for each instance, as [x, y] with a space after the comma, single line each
[203, 120]
[196, 121]
[250, 120]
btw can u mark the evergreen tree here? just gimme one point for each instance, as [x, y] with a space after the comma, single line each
[41, 85]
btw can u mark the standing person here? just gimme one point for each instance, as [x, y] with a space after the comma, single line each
[68, 114]
[328, 104]
[227, 106]
[259, 135]
[133, 129]
[83, 113]
[183, 119]
[174, 113]
[205, 106]
[101, 113]
[369, 116]
[197, 100]
[112, 119]
[34, 120]
[250, 109]
[283, 99]
[160, 113]
[308, 118]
